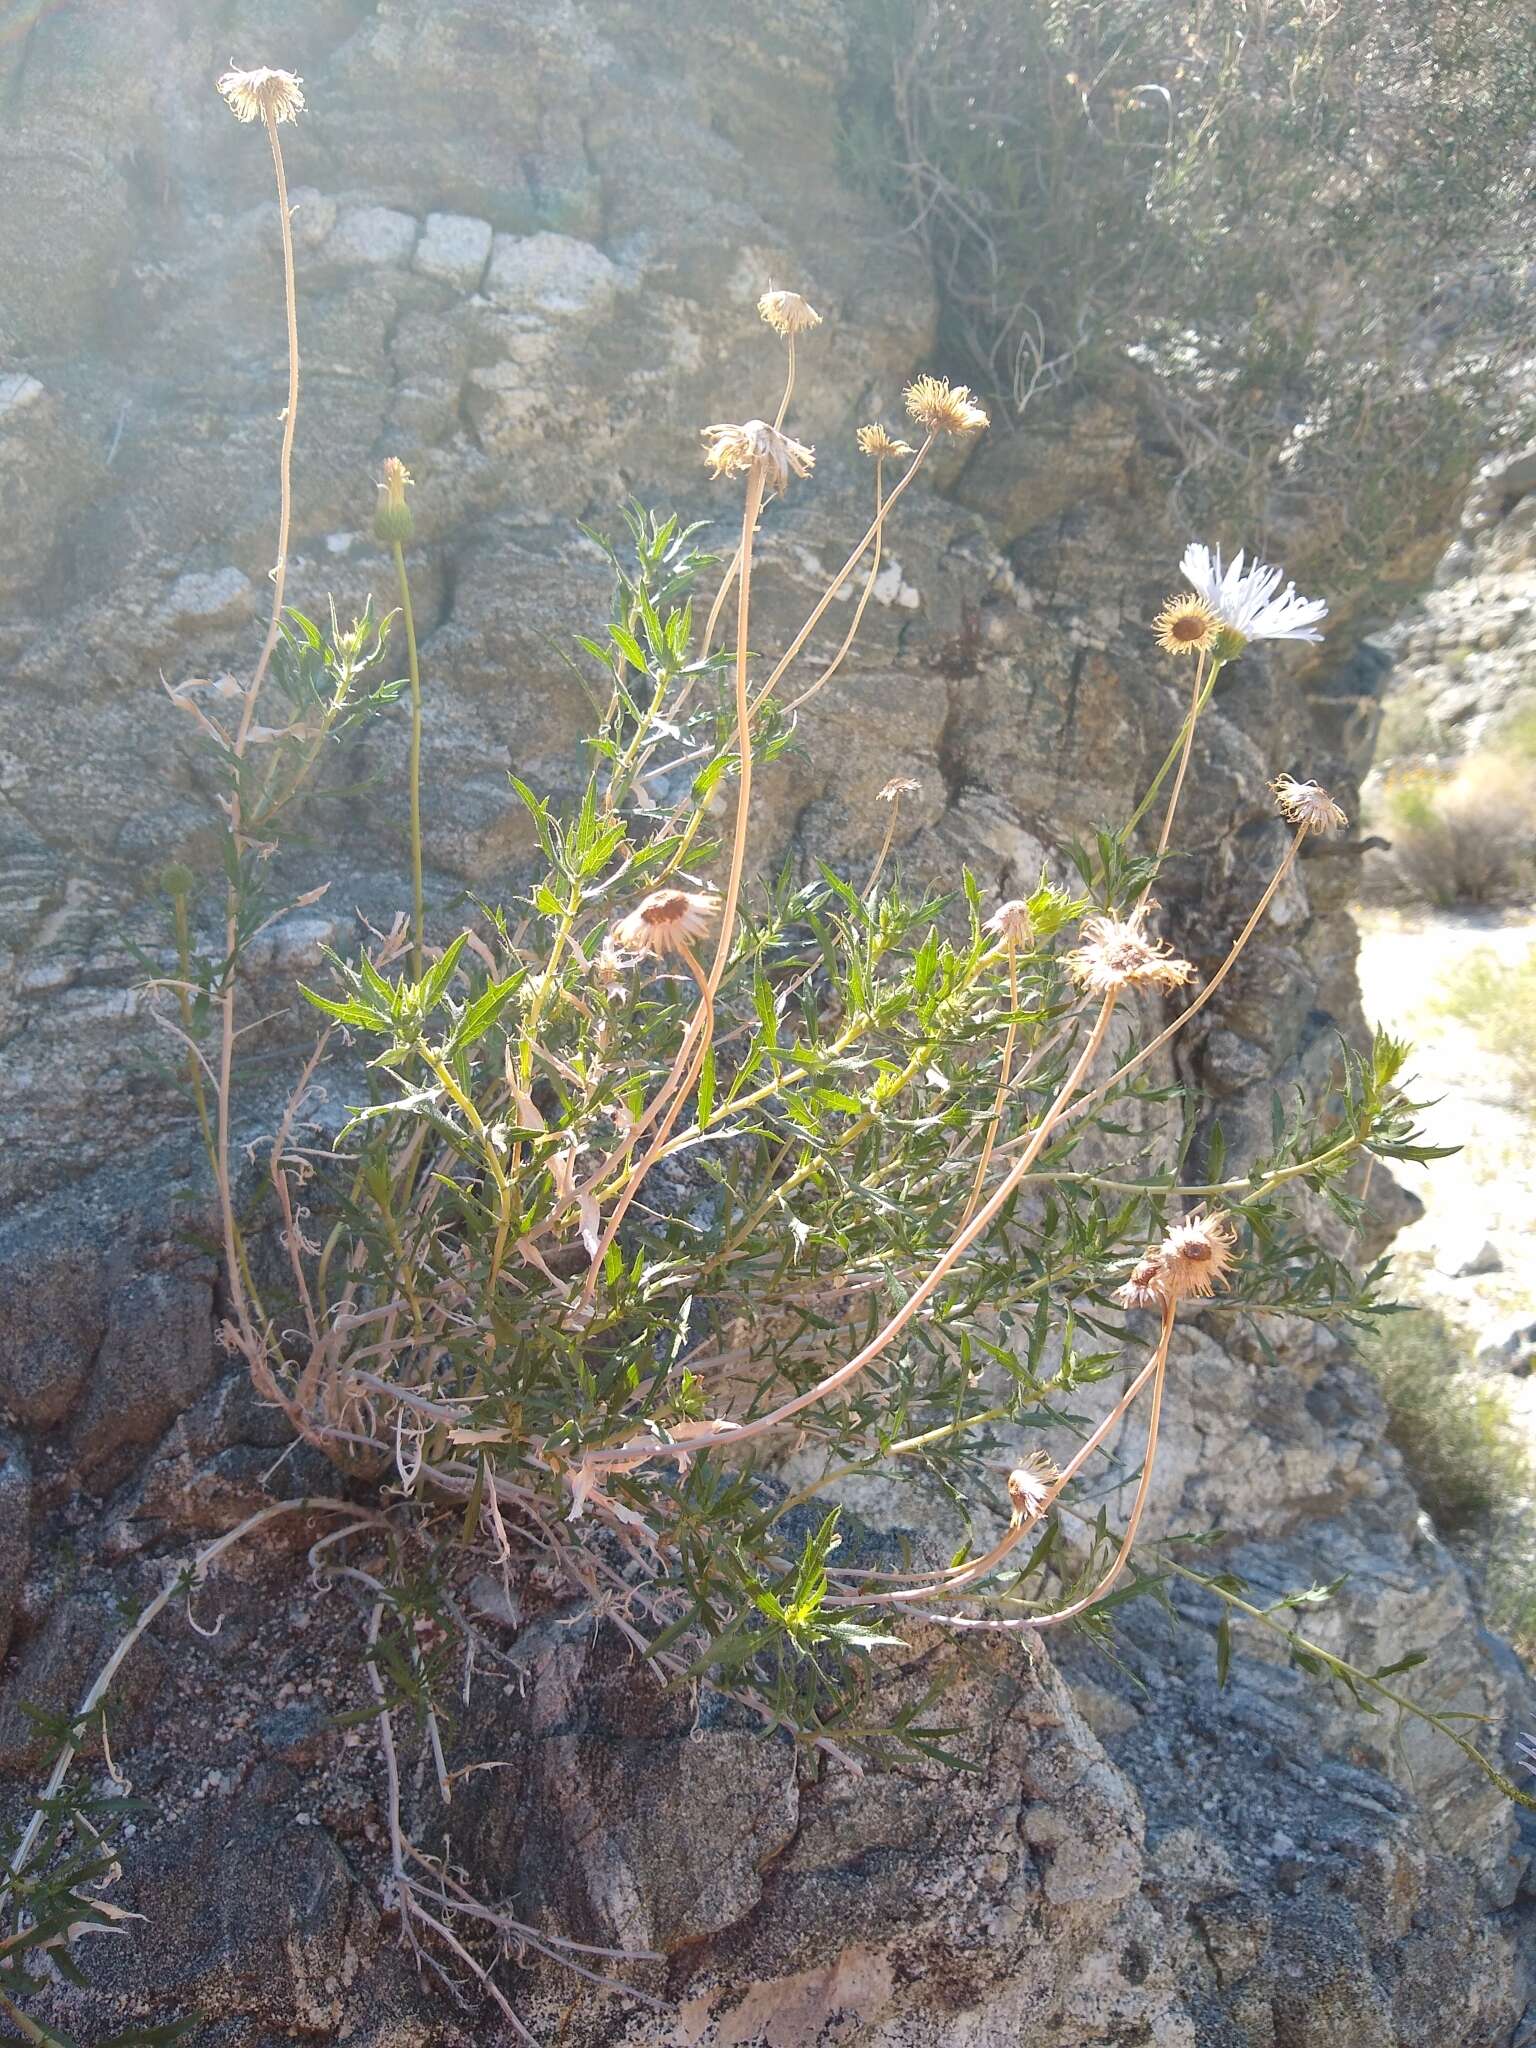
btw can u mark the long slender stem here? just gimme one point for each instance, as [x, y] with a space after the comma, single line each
[418, 917]
[1179, 745]
[233, 1251]
[1195, 701]
[870, 533]
[751, 506]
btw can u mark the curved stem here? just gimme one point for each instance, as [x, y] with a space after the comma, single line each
[1128, 1538]
[418, 920]
[953, 1577]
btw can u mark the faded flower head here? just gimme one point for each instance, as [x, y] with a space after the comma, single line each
[1244, 599]
[1142, 1290]
[1031, 1487]
[1194, 1255]
[666, 921]
[732, 450]
[1307, 804]
[1189, 1264]
[1186, 625]
[262, 95]
[898, 787]
[1116, 953]
[392, 521]
[942, 407]
[787, 313]
[877, 441]
[1012, 922]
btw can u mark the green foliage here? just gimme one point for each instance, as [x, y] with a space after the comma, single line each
[1497, 999]
[1205, 199]
[822, 1163]
[1468, 1460]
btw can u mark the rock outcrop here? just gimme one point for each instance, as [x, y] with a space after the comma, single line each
[529, 255]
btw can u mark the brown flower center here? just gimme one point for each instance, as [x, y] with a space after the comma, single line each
[1188, 628]
[668, 909]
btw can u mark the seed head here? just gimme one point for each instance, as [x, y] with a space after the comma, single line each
[262, 95]
[787, 313]
[942, 407]
[665, 922]
[1012, 922]
[1031, 1487]
[1118, 954]
[1186, 625]
[392, 522]
[875, 440]
[730, 450]
[898, 787]
[1307, 804]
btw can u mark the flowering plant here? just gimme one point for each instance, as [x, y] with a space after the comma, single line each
[672, 1200]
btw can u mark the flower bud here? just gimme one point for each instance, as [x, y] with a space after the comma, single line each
[392, 522]
[177, 880]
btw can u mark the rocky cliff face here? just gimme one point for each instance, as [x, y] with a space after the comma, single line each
[529, 256]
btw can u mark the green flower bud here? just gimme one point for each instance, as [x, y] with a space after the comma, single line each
[177, 880]
[392, 522]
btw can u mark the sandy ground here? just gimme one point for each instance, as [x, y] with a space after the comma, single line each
[1486, 1194]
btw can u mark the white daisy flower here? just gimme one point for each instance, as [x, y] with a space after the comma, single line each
[1244, 599]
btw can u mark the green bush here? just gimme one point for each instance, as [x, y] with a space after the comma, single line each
[1469, 1462]
[1497, 1000]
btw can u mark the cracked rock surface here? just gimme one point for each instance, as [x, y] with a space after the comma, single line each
[528, 264]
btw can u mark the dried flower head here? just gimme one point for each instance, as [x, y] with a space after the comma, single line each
[731, 450]
[1307, 804]
[666, 921]
[1186, 625]
[1193, 1257]
[1117, 953]
[898, 787]
[1189, 1264]
[262, 95]
[1245, 602]
[1031, 1487]
[392, 521]
[787, 313]
[877, 441]
[942, 407]
[1011, 921]
[1142, 1290]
